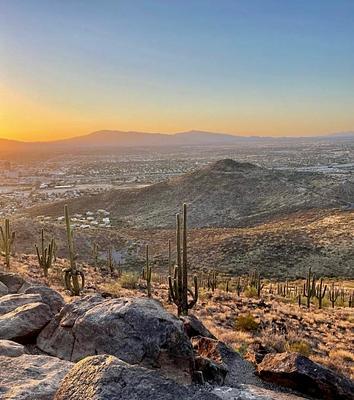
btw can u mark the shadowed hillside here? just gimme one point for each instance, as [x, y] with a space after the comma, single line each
[223, 194]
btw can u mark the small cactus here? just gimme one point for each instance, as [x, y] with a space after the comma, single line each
[147, 271]
[45, 255]
[7, 239]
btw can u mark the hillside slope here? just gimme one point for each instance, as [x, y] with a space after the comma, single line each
[223, 194]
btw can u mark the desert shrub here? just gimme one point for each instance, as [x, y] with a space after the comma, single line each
[129, 280]
[112, 288]
[246, 323]
[242, 349]
[301, 346]
[274, 341]
[251, 292]
[342, 355]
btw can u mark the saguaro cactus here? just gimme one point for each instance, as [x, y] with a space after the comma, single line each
[179, 283]
[333, 295]
[45, 254]
[309, 287]
[6, 243]
[72, 274]
[169, 269]
[320, 292]
[147, 271]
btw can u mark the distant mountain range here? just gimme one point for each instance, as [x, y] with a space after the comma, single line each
[223, 194]
[116, 139]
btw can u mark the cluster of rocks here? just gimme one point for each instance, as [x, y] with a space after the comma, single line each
[132, 348]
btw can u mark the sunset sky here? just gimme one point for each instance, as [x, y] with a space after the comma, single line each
[250, 67]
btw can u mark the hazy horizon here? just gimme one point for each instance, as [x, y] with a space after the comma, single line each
[275, 68]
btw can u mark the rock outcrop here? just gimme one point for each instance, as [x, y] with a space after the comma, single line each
[25, 321]
[300, 373]
[49, 296]
[136, 330]
[31, 377]
[11, 349]
[106, 377]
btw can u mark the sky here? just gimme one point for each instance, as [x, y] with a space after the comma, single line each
[248, 67]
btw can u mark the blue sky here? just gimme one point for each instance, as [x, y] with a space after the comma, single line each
[268, 67]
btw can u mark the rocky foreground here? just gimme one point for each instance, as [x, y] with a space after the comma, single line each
[132, 348]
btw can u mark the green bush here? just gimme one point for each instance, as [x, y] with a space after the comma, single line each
[129, 281]
[302, 347]
[246, 323]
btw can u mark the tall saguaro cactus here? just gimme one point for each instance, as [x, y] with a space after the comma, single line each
[7, 240]
[178, 284]
[309, 287]
[320, 292]
[147, 271]
[45, 255]
[72, 274]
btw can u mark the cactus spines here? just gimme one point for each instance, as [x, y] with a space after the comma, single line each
[110, 261]
[333, 295]
[212, 280]
[178, 284]
[6, 243]
[95, 249]
[309, 287]
[320, 292]
[147, 271]
[45, 255]
[72, 274]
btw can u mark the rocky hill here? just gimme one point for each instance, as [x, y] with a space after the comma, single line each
[224, 194]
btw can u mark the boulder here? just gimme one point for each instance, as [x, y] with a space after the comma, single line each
[137, 330]
[12, 281]
[10, 302]
[24, 322]
[239, 371]
[49, 296]
[106, 377]
[30, 377]
[3, 289]
[300, 373]
[214, 373]
[251, 392]
[194, 327]
[11, 349]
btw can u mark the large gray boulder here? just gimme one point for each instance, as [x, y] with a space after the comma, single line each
[49, 296]
[11, 349]
[31, 377]
[136, 330]
[10, 302]
[300, 373]
[106, 377]
[12, 281]
[25, 321]
[251, 392]
[3, 289]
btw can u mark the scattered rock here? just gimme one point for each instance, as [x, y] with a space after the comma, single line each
[11, 349]
[194, 327]
[213, 372]
[239, 370]
[250, 392]
[300, 373]
[137, 330]
[3, 289]
[106, 377]
[10, 302]
[24, 322]
[12, 281]
[49, 296]
[31, 377]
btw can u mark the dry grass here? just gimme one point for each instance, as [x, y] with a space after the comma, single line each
[326, 336]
